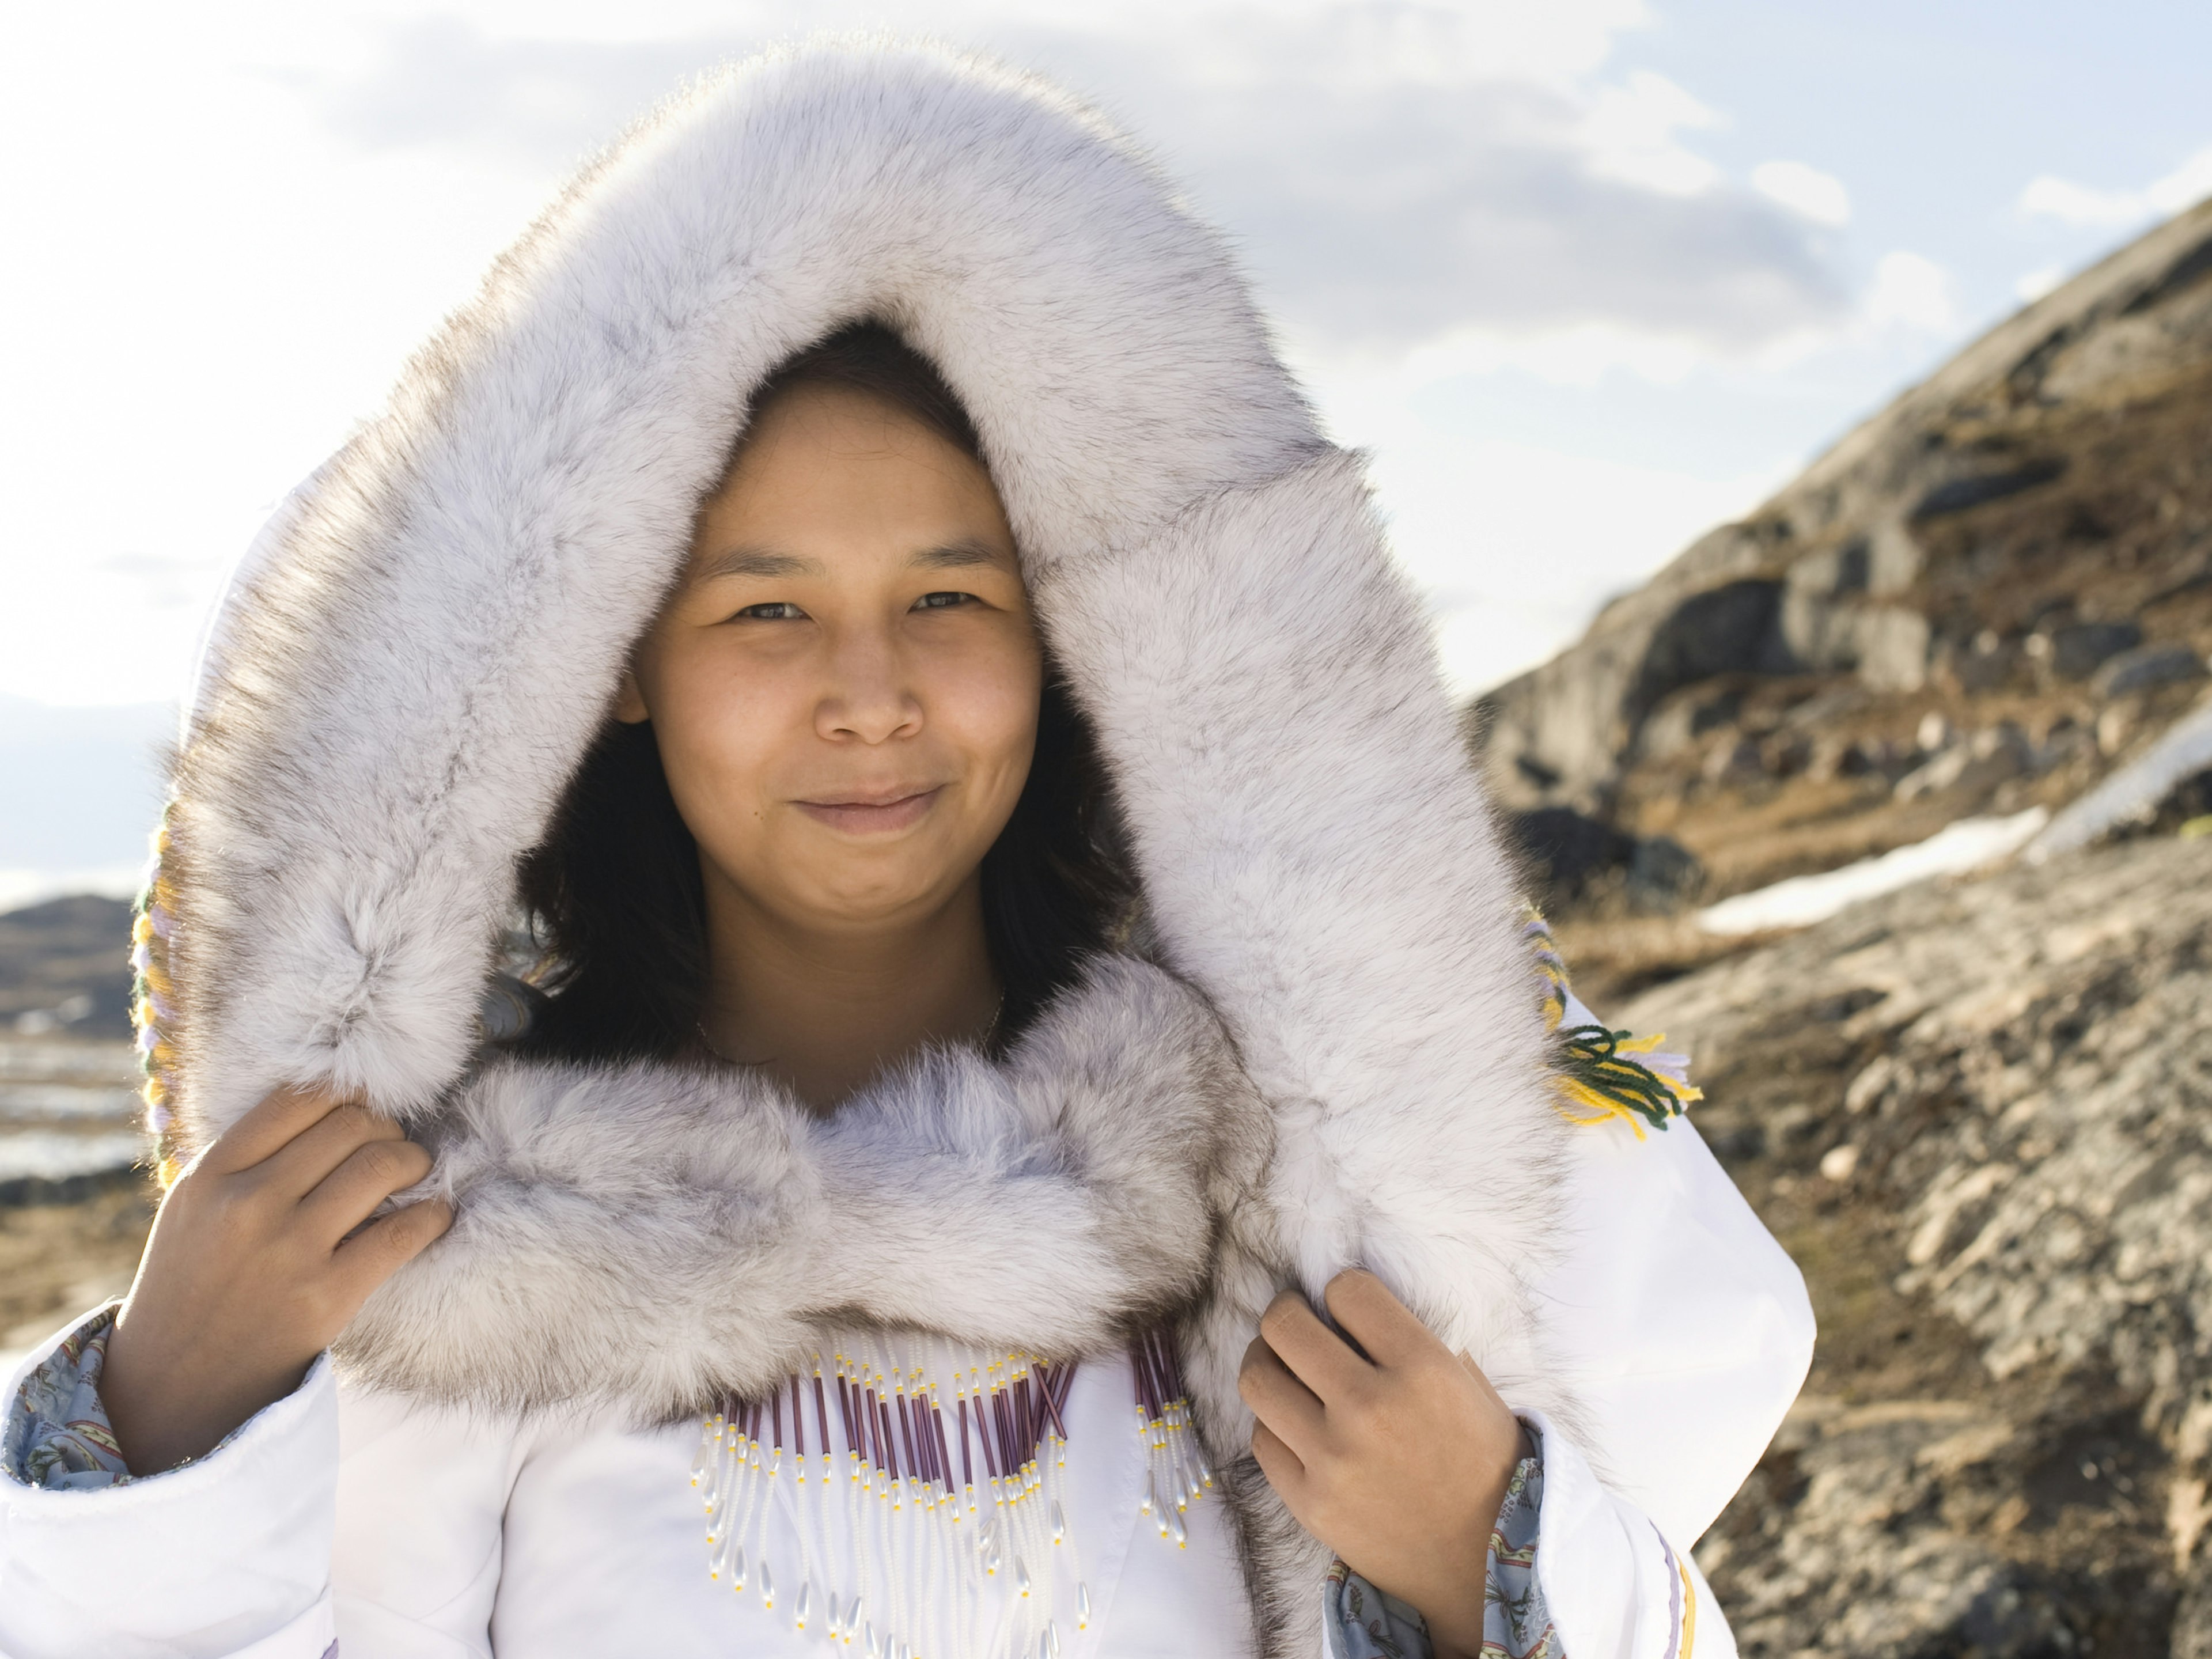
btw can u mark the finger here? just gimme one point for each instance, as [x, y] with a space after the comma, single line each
[273, 1124]
[1376, 1320]
[1284, 1473]
[1279, 1399]
[390, 1242]
[1323, 1361]
[349, 1196]
[298, 1169]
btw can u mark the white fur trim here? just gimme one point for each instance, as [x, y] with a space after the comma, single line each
[656, 1237]
[405, 682]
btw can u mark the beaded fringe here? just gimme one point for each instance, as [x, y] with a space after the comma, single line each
[939, 1531]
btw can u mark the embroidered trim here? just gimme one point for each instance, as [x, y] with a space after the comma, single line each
[153, 1004]
[1681, 1603]
[1550, 966]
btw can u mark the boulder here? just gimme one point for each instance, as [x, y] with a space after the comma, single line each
[1573, 857]
[2078, 651]
[2147, 668]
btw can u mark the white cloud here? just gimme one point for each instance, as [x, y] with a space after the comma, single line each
[2047, 197]
[2185, 187]
[1518, 547]
[1517, 544]
[1582, 355]
[1806, 192]
[1631, 131]
[1912, 291]
[1397, 174]
[2081, 206]
[1454, 185]
[2035, 284]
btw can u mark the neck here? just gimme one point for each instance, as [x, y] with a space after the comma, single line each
[825, 1011]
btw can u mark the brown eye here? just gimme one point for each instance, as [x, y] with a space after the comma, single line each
[773, 610]
[946, 601]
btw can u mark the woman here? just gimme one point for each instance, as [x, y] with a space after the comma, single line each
[1021, 924]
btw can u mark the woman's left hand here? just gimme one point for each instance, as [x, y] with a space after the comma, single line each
[1397, 1459]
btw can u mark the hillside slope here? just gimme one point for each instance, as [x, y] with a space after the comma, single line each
[1976, 1111]
[1980, 600]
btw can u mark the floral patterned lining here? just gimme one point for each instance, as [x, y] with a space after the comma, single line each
[56, 1434]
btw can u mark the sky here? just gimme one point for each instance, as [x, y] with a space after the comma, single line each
[1586, 277]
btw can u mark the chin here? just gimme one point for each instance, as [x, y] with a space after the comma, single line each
[874, 904]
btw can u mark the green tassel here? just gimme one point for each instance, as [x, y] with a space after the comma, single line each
[1591, 1056]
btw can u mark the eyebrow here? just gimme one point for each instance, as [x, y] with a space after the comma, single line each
[758, 562]
[953, 555]
[764, 562]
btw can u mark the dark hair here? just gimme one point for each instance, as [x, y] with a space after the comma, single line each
[614, 892]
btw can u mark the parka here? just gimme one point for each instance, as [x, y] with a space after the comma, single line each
[953, 1370]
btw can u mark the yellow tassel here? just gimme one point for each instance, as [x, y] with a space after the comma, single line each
[1602, 1109]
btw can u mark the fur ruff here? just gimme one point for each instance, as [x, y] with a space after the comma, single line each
[656, 1237]
[1339, 1057]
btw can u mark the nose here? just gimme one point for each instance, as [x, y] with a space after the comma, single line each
[869, 697]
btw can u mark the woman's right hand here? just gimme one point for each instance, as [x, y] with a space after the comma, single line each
[254, 1266]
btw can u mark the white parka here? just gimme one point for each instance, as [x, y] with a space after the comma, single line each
[1332, 1052]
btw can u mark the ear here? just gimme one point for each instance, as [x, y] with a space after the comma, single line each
[630, 701]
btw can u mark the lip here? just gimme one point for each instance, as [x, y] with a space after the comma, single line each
[864, 815]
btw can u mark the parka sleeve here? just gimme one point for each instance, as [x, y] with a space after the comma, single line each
[1685, 1333]
[227, 1558]
[327, 1513]
[1614, 1586]
[1683, 1327]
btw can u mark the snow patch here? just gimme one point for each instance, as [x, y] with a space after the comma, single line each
[1969, 844]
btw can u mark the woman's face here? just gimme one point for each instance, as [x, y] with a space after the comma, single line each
[844, 685]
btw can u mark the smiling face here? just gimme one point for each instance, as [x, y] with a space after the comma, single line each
[844, 685]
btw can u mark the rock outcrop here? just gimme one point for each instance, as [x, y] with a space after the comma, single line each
[1980, 1117]
[1981, 600]
[1978, 1111]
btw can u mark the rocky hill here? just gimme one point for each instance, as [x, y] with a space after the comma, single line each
[64, 966]
[1981, 600]
[1978, 1110]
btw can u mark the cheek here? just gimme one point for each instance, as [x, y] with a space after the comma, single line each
[988, 707]
[719, 725]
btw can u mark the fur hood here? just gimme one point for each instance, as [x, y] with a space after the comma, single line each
[1337, 1055]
